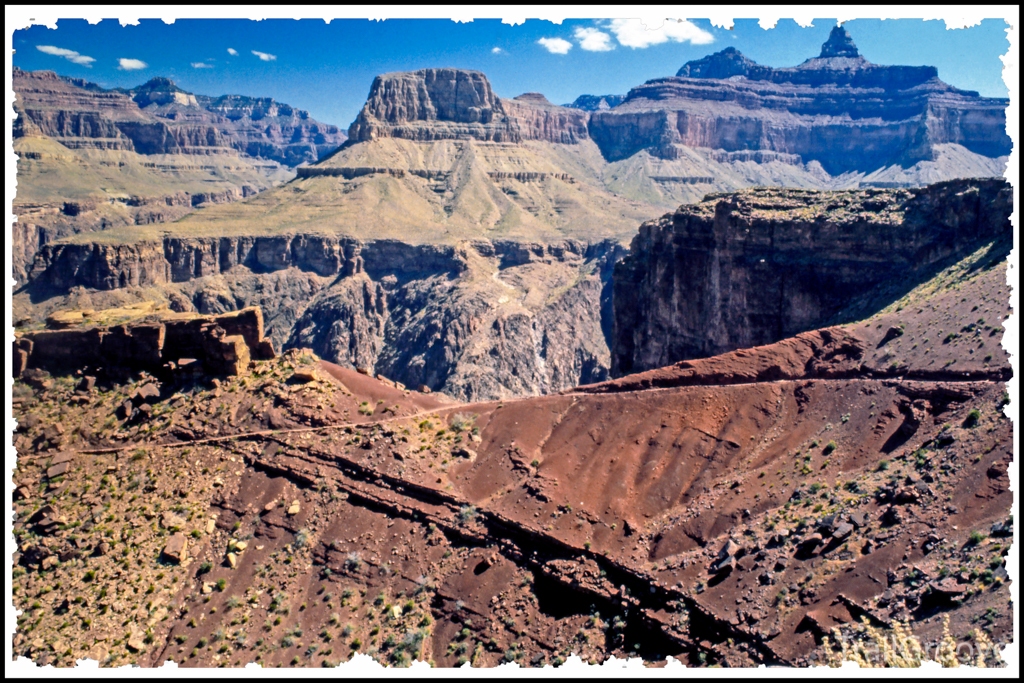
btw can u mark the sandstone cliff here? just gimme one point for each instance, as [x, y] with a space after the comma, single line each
[477, 320]
[454, 104]
[837, 109]
[158, 117]
[754, 267]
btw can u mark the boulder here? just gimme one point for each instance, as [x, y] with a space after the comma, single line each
[170, 520]
[57, 470]
[843, 531]
[147, 393]
[176, 549]
[136, 640]
[812, 541]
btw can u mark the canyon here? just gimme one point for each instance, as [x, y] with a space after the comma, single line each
[711, 371]
[467, 242]
[728, 511]
[755, 267]
[492, 319]
[90, 159]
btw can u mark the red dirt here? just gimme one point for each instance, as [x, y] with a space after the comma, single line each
[586, 522]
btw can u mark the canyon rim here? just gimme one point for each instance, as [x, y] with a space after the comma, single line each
[706, 363]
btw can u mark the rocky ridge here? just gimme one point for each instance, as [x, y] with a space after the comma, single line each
[158, 117]
[757, 266]
[302, 512]
[872, 116]
[475, 320]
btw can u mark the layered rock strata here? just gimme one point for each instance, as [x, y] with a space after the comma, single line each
[446, 104]
[474, 320]
[223, 345]
[837, 109]
[158, 117]
[753, 267]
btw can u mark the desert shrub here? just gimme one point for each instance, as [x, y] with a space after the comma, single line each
[872, 648]
[461, 422]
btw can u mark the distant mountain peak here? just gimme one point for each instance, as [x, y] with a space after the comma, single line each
[596, 102]
[839, 44]
[161, 83]
[533, 98]
[722, 64]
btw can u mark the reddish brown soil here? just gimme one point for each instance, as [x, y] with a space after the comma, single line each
[588, 522]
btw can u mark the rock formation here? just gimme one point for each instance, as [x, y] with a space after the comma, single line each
[223, 345]
[434, 315]
[726, 512]
[596, 102]
[158, 117]
[446, 104]
[754, 267]
[85, 154]
[837, 109]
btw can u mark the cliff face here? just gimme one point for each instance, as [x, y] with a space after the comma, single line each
[449, 104]
[161, 118]
[837, 109]
[754, 267]
[481, 320]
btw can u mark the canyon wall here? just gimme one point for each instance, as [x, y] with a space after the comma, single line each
[42, 224]
[478, 320]
[158, 117]
[754, 267]
[448, 104]
[837, 109]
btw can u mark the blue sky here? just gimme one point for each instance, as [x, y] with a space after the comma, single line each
[327, 68]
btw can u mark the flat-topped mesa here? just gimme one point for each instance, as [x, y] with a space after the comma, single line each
[457, 104]
[838, 109]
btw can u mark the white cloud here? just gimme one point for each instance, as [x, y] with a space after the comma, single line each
[555, 46]
[70, 55]
[264, 57]
[232, 51]
[496, 50]
[632, 33]
[201, 65]
[128, 64]
[593, 40]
